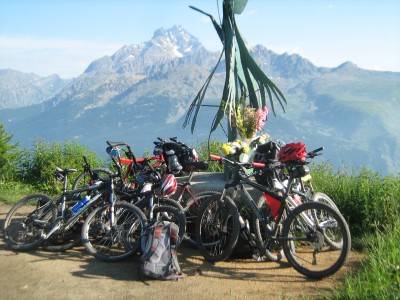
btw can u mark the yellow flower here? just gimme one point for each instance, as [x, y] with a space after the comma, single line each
[236, 147]
[226, 148]
[246, 148]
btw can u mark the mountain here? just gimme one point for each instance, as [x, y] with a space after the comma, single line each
[19, 89]
[143, 91]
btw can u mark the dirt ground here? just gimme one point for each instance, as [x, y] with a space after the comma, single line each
[77, 275]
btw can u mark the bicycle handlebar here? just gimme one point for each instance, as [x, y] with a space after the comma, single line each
[314, 153]
[242, 164]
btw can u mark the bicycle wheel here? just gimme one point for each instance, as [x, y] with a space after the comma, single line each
[193, 204]
[170, 214]
[323, 198]
[217, 228]
[109, 242]
[28, 221]
[83, 179]
[304, 244]
[274, 252]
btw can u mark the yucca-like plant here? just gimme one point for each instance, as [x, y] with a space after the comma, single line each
[243, 75]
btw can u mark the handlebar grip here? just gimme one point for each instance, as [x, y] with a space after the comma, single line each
[314, 152]
[258, 165]
[318, 149]
[215, 157]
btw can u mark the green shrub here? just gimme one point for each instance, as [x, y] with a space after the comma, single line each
[368, 201]
[206, 148]
[9, 155]
[37, 165]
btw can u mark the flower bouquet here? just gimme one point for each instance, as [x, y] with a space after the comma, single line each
[234, 150]
[248, 120]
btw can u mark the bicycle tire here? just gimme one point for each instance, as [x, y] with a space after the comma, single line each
[83, 178]
[275, 253]
[192, 208]
[170, 214]
[217, 228]
[304, 245]
[28, 221]
[118, 242]
[323, 198]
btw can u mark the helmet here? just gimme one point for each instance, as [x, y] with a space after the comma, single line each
[169, 185]
[292, 152]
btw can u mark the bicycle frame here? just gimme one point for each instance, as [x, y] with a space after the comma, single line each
[238, 182]
[66, 224]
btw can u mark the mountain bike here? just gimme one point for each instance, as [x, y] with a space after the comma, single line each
[149, 172]
[276, 176]
[295, 227]
[37, 219]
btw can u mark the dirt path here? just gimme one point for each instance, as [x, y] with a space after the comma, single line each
[76, 275]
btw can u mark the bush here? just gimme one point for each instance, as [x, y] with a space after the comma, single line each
[368, 201]
[8, 156]
[206, 148]
[37, 165]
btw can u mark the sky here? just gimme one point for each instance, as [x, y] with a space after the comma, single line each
[64, 36]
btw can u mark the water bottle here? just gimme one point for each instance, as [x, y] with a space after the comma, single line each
[78, 206]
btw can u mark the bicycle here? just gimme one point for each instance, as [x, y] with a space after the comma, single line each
[295, 227]
[184, 200]
[37, 219]
[276, 177]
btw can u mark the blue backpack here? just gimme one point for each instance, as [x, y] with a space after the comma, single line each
[159, 245]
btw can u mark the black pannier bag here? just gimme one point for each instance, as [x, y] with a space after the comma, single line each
[267, 153]
[176, 156]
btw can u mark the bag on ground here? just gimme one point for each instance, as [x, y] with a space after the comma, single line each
[159, 245]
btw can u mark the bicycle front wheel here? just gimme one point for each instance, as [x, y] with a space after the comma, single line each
[28, 221]
[117, 241]
[217, 228]
[304, 244]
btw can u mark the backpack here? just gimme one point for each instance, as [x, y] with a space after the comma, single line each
[159, 245]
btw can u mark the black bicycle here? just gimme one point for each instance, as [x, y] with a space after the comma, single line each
[298, 228]
[56, 223]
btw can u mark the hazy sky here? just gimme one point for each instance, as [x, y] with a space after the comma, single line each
[65, 36]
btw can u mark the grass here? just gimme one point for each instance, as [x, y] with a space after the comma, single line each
[379, 277]
[12, 192]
